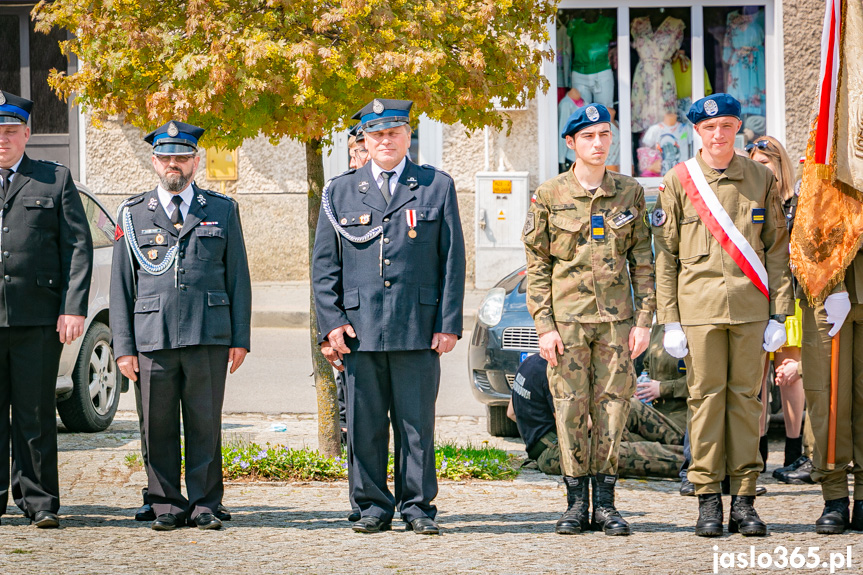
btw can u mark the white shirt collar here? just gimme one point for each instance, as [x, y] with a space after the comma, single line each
[377, 171]
[165, 199]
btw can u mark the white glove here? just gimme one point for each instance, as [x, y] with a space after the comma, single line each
[774, 336]
[675, 341]
[837, 306]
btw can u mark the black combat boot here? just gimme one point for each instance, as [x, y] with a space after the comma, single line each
[857, 518]
[743, 518]
[709, 515]
[576, 518]
[605, 516]
[834, 518]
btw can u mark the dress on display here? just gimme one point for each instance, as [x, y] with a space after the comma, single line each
[565, 109]
[743, 56]
[591, 69]
[564, 57]
[654, 92]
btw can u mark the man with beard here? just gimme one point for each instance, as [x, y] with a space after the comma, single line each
[180, 313]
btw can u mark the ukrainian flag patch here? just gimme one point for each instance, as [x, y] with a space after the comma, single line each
[597, 227]
[757, 215]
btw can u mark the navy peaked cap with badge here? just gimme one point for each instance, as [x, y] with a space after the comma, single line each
[175, 139]
[380, 114]
[584, 117]
[714, 106]
[14, 109]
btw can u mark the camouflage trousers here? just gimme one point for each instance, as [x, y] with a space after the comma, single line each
[594, 377]
[652, 446]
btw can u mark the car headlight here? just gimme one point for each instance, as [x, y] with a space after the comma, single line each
[491, 308]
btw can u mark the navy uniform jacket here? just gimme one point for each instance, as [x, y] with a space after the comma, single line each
[532, 401]
[46, 248]
[394, 290]
[204, 299]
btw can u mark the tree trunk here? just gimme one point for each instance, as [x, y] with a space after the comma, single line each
[329, 434]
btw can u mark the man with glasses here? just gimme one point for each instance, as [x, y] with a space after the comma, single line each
[359, 155]
[46, 261]
[180, 313]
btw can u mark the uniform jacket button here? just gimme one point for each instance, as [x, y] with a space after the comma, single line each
[387, 262]
[7, 278]
[5, 206]
[386, 240]
[5, 254]
[386, 283]
[386, 220]
[5, 229]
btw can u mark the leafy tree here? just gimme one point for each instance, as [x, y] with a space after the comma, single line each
[299, 69]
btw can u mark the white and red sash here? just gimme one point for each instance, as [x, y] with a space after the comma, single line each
[720, 223]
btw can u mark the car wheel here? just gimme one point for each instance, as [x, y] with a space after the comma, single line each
[97, 384]
[499, 425]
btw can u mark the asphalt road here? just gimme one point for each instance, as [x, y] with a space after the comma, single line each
[276, 378]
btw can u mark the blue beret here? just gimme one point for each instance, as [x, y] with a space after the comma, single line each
[175, 139]
[380, 114]
[714, 106]
[14, 109]
[585, 117]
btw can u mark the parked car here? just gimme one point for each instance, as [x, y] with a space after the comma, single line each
[503, 336]
[89, 383]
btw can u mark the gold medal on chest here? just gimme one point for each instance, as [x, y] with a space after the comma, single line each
[412, 234]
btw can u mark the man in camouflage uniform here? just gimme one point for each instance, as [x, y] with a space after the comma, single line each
[666, 390]
[588, 252]
[717, 298]
[652, 444]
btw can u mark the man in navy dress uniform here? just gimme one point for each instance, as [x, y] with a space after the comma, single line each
[45, 267]
[180, 313]
[388, 274]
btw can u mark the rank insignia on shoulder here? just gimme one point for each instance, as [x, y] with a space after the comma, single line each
[363, 187]
[151, 205]
[365, 219]
[597, 227]
[202, 200]
[623, 218]
[152, 254]
[529, 223]
[658, 217]
[758, 215]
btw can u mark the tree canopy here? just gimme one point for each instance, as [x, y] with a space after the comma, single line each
[298, 68]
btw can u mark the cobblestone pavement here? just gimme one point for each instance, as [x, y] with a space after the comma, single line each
[488, 527]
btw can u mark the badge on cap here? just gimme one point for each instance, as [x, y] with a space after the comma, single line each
[377, 107]
[2, 99]
[592, 113]
[758, 215]
[151, 205]
[153, 254]
[173, 131]
[711, 108]
[365, 219]
[658, 217]
[597, 227]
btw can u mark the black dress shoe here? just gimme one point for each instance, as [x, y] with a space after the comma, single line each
[760, 490]
[166, 522]
[797, 473]
[145, 513]
[222, 513]
[423, 526]
[45, 520]
[687, 489]
[354, 516]
[371, 525]
[206, 521]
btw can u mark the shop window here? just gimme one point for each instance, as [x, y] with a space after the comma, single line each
[10, 62]
[640, 62]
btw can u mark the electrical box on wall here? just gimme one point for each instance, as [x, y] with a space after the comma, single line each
[501, 207]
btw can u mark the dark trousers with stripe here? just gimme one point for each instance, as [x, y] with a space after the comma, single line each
[191, 380]
[401, 385]
[29, 361]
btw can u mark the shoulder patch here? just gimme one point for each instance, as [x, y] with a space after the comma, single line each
[529, 223]
[658, 217]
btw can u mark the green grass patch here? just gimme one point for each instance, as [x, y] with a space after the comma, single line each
[21, 551]
[244, 459]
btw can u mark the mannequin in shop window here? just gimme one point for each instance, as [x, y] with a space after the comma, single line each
[681, 67]
[672, 139]
[567, 106]
[592, 33]
[653, 88]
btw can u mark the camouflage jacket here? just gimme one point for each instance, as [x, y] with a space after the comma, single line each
[671, 375]
[588, 254]
[697, 282]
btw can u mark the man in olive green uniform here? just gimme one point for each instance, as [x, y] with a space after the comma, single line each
[588, 253]
[841, 312]
[722, 274]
